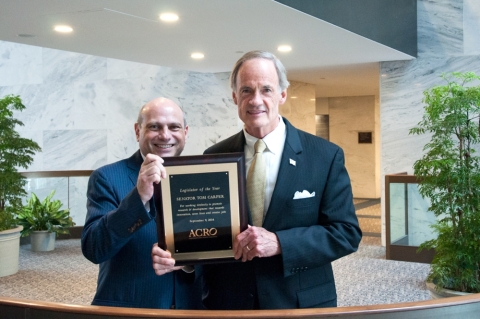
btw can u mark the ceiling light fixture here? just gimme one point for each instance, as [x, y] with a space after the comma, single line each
[63, 28]
[168, 17]
[197, 55]
[284, 48]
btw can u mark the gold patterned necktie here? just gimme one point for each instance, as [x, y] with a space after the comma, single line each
[256, 180]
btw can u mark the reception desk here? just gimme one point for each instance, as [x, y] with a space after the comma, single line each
[465, 307]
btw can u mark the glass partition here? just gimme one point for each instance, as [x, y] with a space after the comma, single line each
[70, 188]
[407, 219]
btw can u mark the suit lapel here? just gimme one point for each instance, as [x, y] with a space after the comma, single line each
[134, 163]
[286, 174]
[238, 143]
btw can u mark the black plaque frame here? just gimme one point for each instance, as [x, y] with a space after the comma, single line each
[233, 164]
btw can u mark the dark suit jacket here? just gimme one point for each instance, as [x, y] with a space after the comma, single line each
[312, 232]
[119, 234]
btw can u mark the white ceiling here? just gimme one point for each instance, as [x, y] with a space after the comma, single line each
[338, 61]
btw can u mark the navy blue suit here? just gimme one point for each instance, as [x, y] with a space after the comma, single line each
[312, 232]
[119, 234]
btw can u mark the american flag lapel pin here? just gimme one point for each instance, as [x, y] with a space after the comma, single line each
[292, 162]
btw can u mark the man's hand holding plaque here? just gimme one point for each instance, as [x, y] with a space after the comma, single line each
[162, 261]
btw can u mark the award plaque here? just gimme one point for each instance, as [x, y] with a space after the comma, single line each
[201, 206]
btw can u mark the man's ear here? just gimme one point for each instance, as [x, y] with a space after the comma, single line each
[137, 131]
[234, 97]
[283, 97]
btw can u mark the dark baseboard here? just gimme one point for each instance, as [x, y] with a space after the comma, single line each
[75, 233]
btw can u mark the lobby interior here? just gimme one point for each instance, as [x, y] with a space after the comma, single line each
[81, 98]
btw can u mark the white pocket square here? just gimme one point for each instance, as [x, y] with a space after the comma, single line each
[304, 194]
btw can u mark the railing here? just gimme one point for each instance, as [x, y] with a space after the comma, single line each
[464, 307]
[407, 220]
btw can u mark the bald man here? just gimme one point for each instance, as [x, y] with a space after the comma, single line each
[120, 225]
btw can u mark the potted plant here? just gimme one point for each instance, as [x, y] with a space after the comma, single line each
[43, 220]
[449, 175]
[15, 152]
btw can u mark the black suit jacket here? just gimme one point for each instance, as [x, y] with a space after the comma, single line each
[312, 232]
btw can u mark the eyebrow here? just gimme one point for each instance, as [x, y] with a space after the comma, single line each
[267, 86]
[160, 124]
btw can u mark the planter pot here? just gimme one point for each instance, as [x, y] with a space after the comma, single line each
[443, 293]
[9, 251]
[42, 240]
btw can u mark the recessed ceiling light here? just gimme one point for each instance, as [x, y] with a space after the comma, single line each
[168, 17]
[197, 55]
[63, 28]
[313, 99]
[293, 97]
[284, 48]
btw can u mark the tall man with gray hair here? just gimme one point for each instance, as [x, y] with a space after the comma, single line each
[301, 211]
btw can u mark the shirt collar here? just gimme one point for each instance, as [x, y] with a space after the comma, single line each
[274, 140]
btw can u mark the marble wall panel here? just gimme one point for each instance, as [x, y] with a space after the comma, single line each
[20, 64]
[471, 27]
[120, 69]
[121, 143]
[68, 67]
[200, 138]
[37, 137]
[48, 106]
[74, 149]
[402, 106]
[440, 28]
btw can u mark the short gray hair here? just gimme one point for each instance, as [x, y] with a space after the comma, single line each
[281, 72]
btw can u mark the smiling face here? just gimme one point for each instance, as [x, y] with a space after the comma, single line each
[161, 131]
[258, 96]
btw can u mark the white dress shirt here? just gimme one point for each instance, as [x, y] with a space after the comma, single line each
[272, 155]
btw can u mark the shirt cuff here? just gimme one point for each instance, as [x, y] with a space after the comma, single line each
[188, 269]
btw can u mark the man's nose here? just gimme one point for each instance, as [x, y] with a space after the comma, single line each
[256, 99]
[164, 133]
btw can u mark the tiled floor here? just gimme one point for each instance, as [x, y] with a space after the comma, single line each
[369, 216]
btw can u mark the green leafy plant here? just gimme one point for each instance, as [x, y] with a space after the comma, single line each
[44, 215]
[15, 152]
[449, 175]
